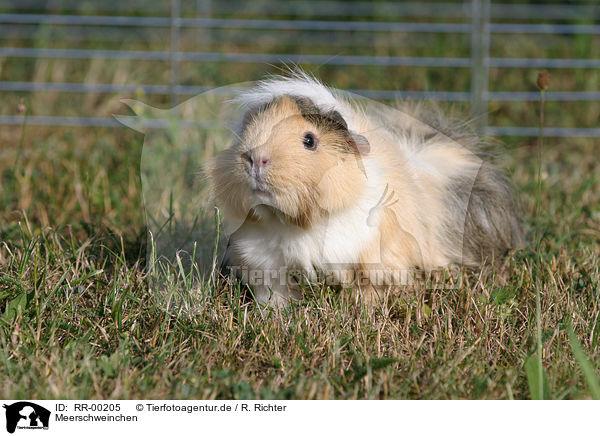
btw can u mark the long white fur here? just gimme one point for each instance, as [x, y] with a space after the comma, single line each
[299, 84]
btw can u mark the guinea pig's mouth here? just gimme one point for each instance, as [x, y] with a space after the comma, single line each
[262, 194]
[259, 188]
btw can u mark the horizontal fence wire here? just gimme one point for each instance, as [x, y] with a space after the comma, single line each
[193, 90]
[231, 23]
[560, 132]
[280, 58]
[560, 11]
[382, 94]
[192, 17]
[47, 120]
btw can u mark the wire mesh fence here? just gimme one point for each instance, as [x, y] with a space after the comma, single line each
[191, 46]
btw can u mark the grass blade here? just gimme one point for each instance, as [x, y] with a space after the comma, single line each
[536, 379]
[591, 376]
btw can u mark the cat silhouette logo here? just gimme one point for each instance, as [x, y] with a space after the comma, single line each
[26, 415]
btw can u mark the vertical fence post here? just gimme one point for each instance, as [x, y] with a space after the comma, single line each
[174, 52]
[480, 49]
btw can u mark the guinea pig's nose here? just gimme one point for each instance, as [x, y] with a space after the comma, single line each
[261, 161]
[256, 162]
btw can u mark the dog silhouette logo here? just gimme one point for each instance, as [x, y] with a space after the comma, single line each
[26, 415]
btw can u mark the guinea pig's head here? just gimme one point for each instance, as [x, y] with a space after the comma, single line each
[292, 159]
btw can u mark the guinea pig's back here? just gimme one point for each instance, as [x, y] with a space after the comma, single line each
[448, 187]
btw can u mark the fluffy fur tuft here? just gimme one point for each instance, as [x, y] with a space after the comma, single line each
[362, 194]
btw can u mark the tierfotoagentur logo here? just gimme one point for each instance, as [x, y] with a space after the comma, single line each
[25, 415]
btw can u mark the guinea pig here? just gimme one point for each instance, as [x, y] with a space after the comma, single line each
[318, 186]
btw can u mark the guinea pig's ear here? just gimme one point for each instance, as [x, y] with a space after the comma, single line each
[357, 142]
[360, 143]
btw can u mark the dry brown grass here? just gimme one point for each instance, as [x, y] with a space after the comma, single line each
[79, 322]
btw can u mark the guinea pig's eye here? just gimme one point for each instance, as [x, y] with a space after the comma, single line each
[310, 141]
